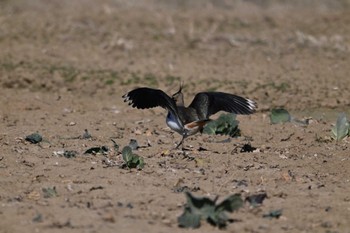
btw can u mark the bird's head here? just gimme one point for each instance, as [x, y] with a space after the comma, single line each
[178, 97]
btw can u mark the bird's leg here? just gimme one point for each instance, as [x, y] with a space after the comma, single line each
[183, 149]
[181, 143]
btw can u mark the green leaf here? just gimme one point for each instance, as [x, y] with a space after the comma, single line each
[279, 116]
[218, 218]
[49, 192]
[226, 124]
[141, 163]
[34, 138]
[234, 132]
[132, 160]
[188, 219]
[232, 203]
[200, 205]
[135, 158]
[115, 145]
[341, 129]
[204, 208]
[127, 154]
[210, 128]
[273, 214]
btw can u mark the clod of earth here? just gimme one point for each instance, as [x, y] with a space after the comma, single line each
[95, 150]
[256, 199]
[96, 188]
[128, 205]
[86, 134]
[70, 154]
[247, 148]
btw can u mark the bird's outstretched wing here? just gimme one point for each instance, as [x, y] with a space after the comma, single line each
[145, 97]
[209, 103]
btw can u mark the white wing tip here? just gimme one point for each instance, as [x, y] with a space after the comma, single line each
[126, 97]
[251, 105]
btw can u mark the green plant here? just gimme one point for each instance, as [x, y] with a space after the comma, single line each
[198, 208]
[226, 124]
[341, 128]
[50, 192]
[273, 214]
[132, 160]
[280, 116]
[34, 138]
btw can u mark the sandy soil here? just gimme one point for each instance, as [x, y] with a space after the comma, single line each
[65, 64]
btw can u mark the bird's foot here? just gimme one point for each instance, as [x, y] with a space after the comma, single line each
[182, 148]
[187, 156]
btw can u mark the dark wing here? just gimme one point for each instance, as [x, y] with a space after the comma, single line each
[145, 97]
[209, 103]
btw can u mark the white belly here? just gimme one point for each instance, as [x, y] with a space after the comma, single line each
[173, 123]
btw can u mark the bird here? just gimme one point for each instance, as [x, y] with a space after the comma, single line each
[189, 120]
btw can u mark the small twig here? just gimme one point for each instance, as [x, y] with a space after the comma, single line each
[287, 138]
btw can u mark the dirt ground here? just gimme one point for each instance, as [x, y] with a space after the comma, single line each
[64, 66]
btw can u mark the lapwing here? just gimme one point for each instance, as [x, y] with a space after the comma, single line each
[189, 120]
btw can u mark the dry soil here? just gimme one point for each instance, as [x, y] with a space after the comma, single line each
[64, 66]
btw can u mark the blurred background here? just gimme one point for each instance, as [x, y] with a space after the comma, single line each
[271, 50]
